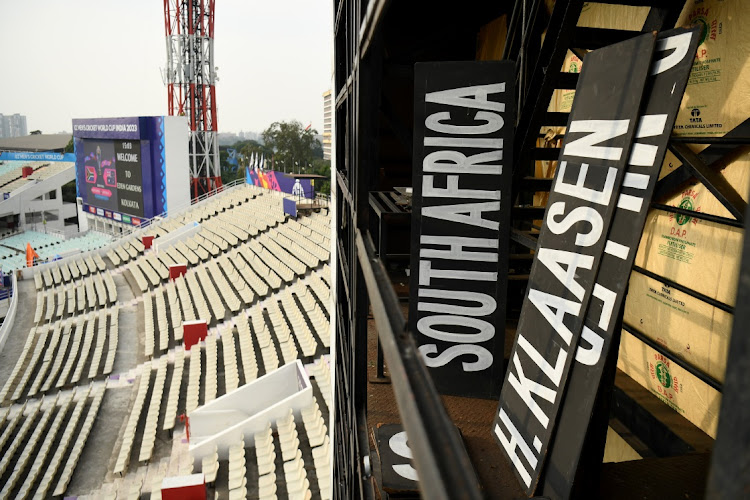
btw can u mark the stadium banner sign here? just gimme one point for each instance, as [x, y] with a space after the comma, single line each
[279, 181]
[107, 128]
[670, 68]
[464, 113]
[290, 207]
[107, 214]
[48, 156]
[121, 164]
[582, 201]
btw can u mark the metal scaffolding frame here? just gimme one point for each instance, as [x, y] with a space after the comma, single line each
[361, 109]
[190, 77]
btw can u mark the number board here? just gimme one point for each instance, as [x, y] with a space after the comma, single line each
[464, 114]
[581, 204]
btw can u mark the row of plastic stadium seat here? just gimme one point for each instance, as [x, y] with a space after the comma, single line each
[93, 292]
[325, 274]
[214, 239]
[90, 241]
[198, 299]
[151, 327]
[185, 292]
[247, 351]
[262, 335]
[243, 279]
[218, 311]
[10, 165]
[56, 354]
[204, 211]
[194, 379]
[45, 444]
[296, 259]
[258, 266]
[170, 413]
[68, 271]
[211, 385]
[35, 239]
[152, 418]
[300, 326]
[293, 474]
[229, 354]
[185, 305]
[123, 456]
[237, 471]
[203, 379]
[319, 222]
[283, 333]
[14, 179]
[256, 334]
[48, 244]
[228, 221]
[229, 294]
[125, 251]
[303, 249]
[272, 261]
[309, 240]
[322, 374]
[8, 252]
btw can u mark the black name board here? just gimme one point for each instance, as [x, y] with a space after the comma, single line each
[463, 133]
[673, 59]
[582, 201]
[398, 475]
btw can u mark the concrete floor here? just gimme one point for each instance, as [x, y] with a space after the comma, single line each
[20, 329]
[94, 465]
[97, 459]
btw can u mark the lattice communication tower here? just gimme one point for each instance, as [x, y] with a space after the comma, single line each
[190, 77]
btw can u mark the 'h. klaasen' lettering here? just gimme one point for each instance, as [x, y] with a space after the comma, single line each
[460, 316]
[563, 265]
[558, 304]
[566, 267]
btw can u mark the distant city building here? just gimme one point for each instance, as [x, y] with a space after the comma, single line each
[12, 126]
[327, 125]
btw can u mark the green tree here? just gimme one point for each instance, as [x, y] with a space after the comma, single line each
[69, 148]
[322, 167]
[293, 145]
[246, 149]
[69, 192]
[318, 150]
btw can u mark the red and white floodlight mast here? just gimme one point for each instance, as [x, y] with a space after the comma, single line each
[190, 78]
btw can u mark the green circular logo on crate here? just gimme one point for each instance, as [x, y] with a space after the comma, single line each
[704, 27]
[685, 204]
[662, 373]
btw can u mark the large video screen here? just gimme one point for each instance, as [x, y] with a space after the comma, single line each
[113, 175]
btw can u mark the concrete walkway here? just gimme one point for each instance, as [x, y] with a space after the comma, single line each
[19, 330]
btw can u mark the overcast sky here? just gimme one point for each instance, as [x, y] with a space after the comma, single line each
[64, 59]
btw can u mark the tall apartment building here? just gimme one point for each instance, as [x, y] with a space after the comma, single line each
[12, 126]
[327, 125]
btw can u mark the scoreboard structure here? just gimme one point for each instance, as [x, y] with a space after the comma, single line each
[131, 169]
